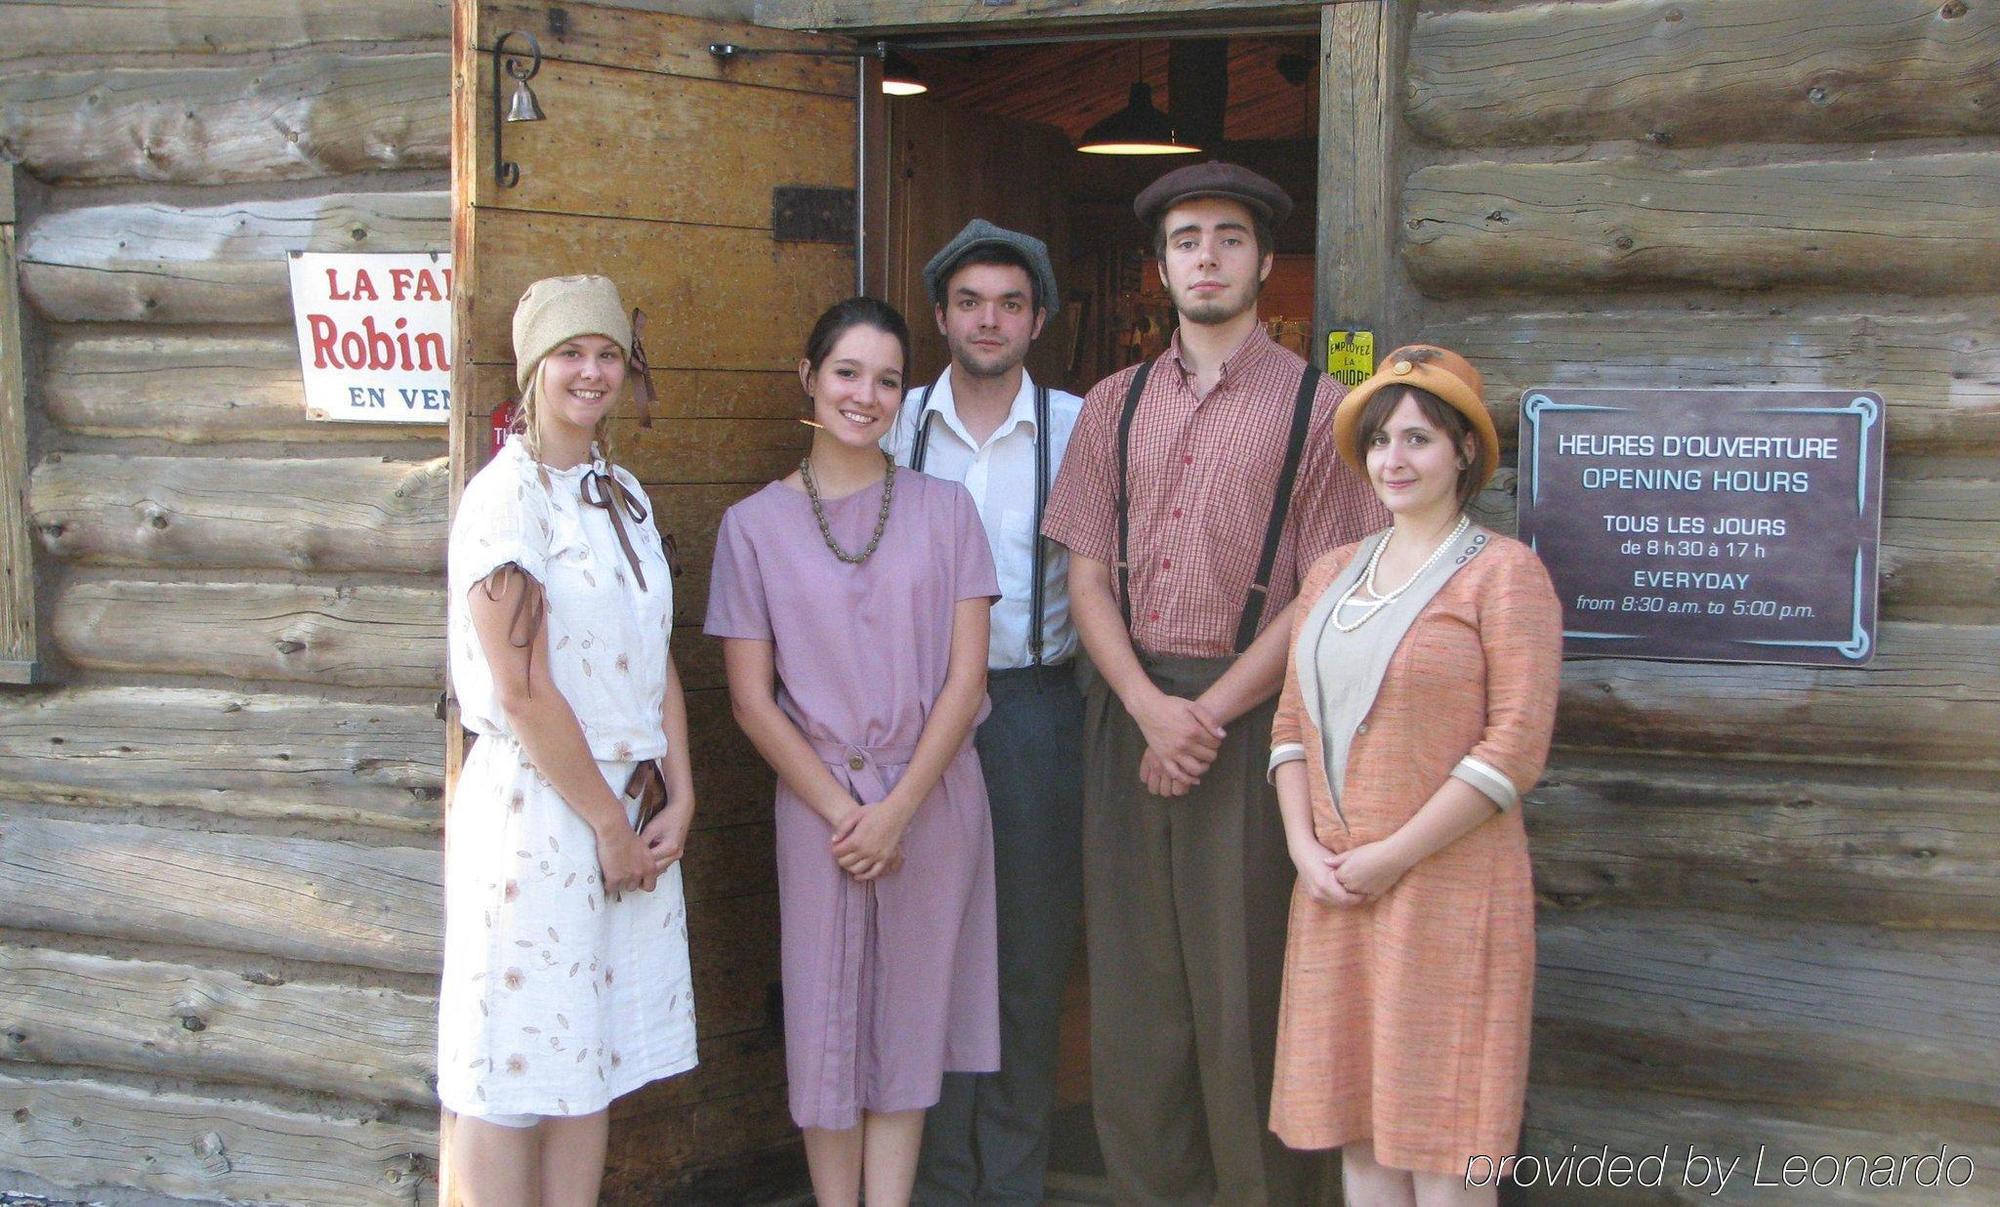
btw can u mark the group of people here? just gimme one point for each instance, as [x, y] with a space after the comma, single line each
[1213, 656]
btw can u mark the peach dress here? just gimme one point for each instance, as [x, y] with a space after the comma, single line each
[1406, 1021]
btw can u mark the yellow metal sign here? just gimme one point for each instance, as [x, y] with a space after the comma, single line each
[1350, 356]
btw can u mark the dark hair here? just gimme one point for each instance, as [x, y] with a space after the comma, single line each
[997, 254]
[855, 312]
[1442, 415]
[1260, 229]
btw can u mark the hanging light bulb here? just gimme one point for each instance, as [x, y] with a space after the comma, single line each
[900, 77]
[1137, 129]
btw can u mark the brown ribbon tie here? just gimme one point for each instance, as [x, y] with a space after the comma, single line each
[602, 489]
[643, 394]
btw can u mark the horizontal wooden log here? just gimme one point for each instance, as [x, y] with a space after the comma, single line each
[353, 636]
[175, 1020]
[1903, 848]
[319, 115]
[1740, 1007]
[1687, 72]
[93, 1133]
[325, 515]
[236, 753]
[1940, 551]
[1672, 1127]
[1935, 361]
[733, 145]
[1926, 221]
[212, 27]
[155, 262]
[191, 386]
[1931, 697]
[735, 295]
[301, 898]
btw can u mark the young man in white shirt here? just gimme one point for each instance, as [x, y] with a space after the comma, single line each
[986, 423]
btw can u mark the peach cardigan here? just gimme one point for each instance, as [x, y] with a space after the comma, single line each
[1406, 1021]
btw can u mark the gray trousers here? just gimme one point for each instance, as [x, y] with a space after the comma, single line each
[987, 1139]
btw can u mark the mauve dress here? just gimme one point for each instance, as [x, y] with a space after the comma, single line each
[888, 985]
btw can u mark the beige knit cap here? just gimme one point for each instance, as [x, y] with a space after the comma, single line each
[556, 309]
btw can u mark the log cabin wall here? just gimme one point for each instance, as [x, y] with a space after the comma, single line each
[1770, 895]
[219, 816]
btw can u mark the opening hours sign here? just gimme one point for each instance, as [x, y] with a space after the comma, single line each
[374, 335]
[1717, 525]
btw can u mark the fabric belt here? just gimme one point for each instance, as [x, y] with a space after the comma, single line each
[862, 765]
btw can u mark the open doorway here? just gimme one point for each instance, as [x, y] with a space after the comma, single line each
[995, 136]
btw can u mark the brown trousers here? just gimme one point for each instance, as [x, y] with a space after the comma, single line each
[1185, 901]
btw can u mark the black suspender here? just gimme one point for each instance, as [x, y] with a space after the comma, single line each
[920, 448]
[922, 444]
[1042, 435]
[1281, 504]
[1124, 496]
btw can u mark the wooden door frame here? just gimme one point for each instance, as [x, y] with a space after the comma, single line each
[1361, 145]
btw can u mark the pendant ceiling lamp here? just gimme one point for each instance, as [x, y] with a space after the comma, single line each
[1137, 129]
[900, 76]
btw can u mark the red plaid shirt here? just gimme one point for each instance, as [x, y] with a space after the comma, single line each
[1203, 473]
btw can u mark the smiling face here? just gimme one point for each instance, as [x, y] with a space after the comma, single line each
[1413, 465]
[988, 318]
[579, 384]
[858, 387]
[1210, 262]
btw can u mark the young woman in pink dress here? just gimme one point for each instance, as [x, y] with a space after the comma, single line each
[852, 601]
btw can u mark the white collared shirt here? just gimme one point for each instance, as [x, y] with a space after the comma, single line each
[1000, 474]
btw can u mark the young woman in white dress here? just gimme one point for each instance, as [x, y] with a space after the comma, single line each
[566, 979]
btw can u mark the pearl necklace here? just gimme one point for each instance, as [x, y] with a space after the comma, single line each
[1377, 601]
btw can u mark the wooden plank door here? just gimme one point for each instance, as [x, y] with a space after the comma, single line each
[656, 165]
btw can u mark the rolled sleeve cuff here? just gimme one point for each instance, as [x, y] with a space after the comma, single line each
[1289, 752]
[1482, 775]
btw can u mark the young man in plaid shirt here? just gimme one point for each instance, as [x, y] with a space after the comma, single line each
[1196, 490]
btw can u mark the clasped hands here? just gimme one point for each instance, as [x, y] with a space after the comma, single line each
[631, 860]
[1182, 738]
[868, 839]
[1356, 876]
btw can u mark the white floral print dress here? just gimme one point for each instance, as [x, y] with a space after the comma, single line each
[555, 999]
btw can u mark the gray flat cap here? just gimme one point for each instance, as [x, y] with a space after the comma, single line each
[981, 233]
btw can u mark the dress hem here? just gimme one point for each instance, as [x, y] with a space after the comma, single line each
[617, 1090]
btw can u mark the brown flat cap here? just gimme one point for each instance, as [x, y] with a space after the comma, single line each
[1213, 179]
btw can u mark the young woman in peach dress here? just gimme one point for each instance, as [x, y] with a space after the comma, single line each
[1416, 712]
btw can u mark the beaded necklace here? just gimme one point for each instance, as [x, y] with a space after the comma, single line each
[819, 511]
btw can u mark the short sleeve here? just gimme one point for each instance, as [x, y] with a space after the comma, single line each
[1337, 506]
[1082, 513]
[1520, 627]
[736, 603]
[974, 575]
[503, 517]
